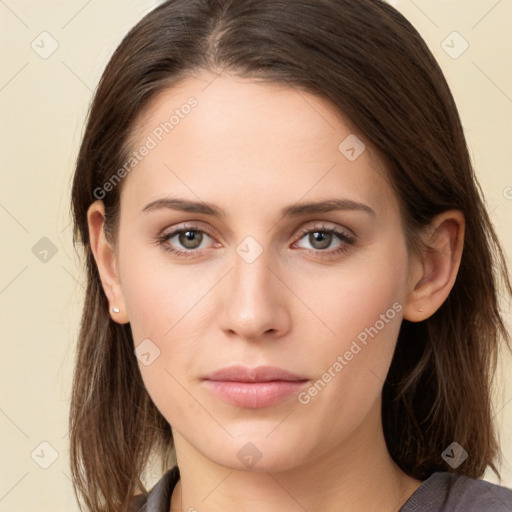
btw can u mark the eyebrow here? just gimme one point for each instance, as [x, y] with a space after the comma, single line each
[294, 210]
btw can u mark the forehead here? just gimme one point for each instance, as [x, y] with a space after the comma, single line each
[254, 108]
[227, 135]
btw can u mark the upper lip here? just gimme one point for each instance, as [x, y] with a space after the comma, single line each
[238, 373]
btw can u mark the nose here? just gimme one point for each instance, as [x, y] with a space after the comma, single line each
[255, 301]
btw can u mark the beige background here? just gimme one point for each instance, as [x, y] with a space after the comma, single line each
[43, 103]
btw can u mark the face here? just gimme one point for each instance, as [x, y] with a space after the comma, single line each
[315, 291]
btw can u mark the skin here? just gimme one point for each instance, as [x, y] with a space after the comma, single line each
[252, 149]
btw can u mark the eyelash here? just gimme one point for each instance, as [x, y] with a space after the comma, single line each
[347, 240]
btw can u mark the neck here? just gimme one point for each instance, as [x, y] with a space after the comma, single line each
[357, 474]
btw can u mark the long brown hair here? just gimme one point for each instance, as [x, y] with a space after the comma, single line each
[372, 65]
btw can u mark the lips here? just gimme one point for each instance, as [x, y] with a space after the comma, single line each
[240, 373]
[253, 388]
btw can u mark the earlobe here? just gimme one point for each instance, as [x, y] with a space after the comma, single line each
[106, 261]
[436, 270]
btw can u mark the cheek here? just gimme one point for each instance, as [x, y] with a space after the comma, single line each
[352, 297]
[163, 301]
[361, 312]
[160, 308]
[157, 293]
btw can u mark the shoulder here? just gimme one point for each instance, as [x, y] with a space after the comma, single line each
[447, 492]
[158, 499]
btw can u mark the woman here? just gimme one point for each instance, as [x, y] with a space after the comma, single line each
[292, 279]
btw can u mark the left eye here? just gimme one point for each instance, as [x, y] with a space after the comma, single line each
[322, 239]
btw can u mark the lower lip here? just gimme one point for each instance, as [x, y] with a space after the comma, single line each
[254, 395]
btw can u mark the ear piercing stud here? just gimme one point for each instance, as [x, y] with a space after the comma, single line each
[115, 310]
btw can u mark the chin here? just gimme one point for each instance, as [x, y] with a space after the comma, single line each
[256, 453]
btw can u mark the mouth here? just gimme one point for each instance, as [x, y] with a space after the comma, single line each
[254, 388]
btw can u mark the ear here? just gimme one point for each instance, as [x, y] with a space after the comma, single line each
[434, 272]
[106, 261]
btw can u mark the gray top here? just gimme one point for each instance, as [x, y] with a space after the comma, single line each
[441, 492]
